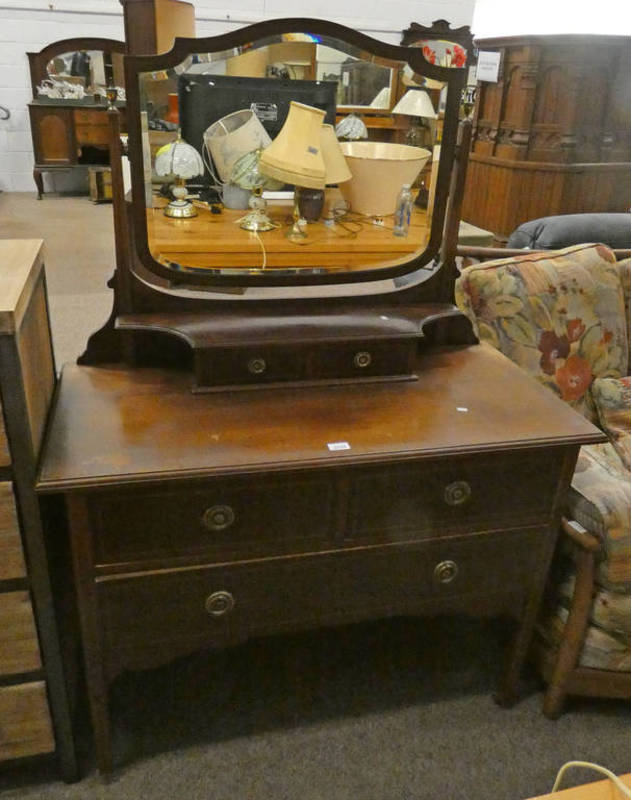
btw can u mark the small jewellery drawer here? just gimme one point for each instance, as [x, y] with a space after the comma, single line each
[193, 606]
[11, 555]
[19, 649]
[25, 724]
[217, 519]
[430, 498]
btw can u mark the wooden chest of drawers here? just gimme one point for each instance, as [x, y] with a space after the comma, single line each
[34, 707]
[200, 520]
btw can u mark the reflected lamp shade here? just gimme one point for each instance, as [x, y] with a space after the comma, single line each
[179, 159]
[379, 170]
[415, 103]
[231, 137]
[295, 155]
[335, 167]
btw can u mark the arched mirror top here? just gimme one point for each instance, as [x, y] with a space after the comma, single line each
[78, 71]
[222, 131]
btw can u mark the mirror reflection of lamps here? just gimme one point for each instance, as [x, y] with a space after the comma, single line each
[295, 156]
[247, 175]
[416, 103]
[183, 162]
[229, 139]
[311, 201]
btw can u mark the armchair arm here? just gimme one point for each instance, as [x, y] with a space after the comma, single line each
[579, 535]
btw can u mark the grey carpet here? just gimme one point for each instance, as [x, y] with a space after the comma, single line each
[391, 710]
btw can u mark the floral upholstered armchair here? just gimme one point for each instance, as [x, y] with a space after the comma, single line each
[564, 316]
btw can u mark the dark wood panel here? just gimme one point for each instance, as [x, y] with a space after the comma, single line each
[53, 136]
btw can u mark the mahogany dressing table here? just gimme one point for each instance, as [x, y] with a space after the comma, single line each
[349, 452]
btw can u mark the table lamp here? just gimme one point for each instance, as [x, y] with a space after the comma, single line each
[227, 140]
[183, 162]
[246, 174]
[295, 155]
[311, 201]
[416, 103]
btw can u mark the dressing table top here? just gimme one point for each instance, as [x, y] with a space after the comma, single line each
[118, 425]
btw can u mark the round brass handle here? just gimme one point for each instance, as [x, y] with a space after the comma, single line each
[445, 571]
[362, 359]
[257, 366]
[219, 603]
[218, 518]
[457, 493]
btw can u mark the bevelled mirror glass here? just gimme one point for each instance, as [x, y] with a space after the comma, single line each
[283, 157]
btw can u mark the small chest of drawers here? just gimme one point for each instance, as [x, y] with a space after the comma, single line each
[200, 520]
[34, 703]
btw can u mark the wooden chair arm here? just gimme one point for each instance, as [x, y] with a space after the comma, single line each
[579, 535]
[492, 253]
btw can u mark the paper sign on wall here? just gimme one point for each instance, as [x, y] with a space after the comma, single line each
[488, 66]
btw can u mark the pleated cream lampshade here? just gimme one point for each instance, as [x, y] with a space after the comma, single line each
[295, 155]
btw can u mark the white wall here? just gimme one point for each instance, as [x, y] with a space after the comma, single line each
[29, 25]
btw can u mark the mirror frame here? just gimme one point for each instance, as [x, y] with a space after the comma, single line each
[38, 62]
[182, 47]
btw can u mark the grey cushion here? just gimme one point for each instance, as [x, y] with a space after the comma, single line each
[552, 233]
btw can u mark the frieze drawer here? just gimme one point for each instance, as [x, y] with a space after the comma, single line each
[172, 610]
[217, 520]
[435, 498]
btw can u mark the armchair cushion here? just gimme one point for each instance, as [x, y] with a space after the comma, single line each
[612, 397]
[560, 316]
[600, 499]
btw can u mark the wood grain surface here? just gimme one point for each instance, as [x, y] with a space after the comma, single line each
[122, 425]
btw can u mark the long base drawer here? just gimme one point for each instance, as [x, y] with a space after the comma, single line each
[220, 604]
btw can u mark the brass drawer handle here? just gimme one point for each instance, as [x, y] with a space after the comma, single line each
[219, 603]
[218, 518]
[362, 359]
[457, 493]
[445, 571]
[257, 366]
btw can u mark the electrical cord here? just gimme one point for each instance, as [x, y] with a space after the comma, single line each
[624, 790]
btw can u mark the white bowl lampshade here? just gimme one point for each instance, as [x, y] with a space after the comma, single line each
[379, 169]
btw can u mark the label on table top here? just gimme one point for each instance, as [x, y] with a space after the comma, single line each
[339, 446]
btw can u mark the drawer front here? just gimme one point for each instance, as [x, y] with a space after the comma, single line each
[19, 649]
[89, 117]
[314, 362]
[444, 497]
[225, 603]
[223, 519]
[11, 555]
[86, 134]
[25, 724]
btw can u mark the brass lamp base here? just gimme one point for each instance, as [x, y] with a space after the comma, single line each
[256, 220]
[180, 209]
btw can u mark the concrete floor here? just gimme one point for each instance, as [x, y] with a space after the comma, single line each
[79, 248]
